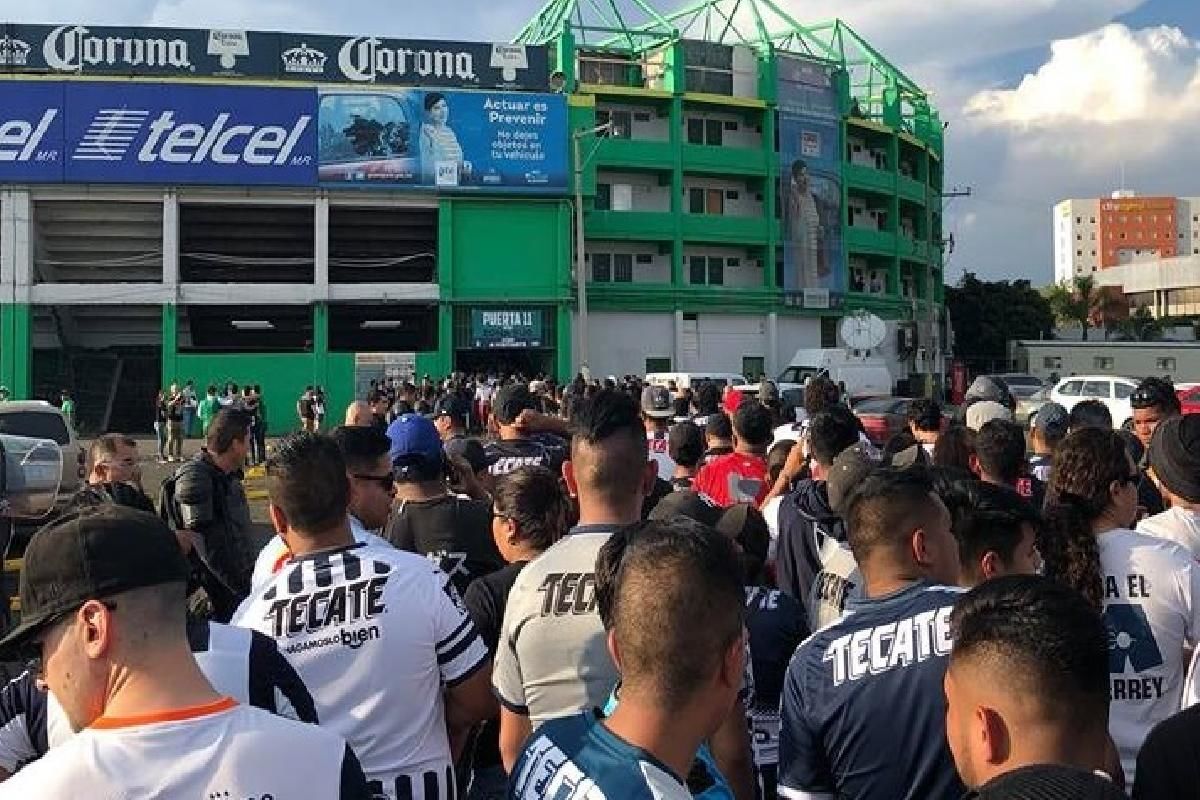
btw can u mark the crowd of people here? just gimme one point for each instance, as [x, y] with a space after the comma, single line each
[501, 588]
[179, 412]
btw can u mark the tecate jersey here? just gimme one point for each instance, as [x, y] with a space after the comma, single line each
[220, 750]
[376, 634]
[577, 758]
[239, 663]
[1152, 611]
[863, 711]
[552, 659]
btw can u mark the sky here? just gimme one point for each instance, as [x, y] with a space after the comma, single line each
[1045, 99]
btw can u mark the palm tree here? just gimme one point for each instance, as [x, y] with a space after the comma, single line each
[1086, 304]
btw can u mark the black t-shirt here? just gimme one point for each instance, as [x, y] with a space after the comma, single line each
[1168, 765]
[777, 625]
[486, 598]
[543, 450]
[454, 532]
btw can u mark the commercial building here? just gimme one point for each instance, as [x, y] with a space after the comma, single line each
[1091, 235]
[293, 210]
[1169, 287]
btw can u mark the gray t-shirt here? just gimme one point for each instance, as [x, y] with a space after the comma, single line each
[552, 659]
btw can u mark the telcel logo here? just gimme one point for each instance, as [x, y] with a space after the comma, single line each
[182, 143]
[19, 138]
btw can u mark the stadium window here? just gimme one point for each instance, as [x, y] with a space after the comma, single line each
[697, 270]
[622, 268]
[603, 196]
[1165, 364]
[695, 130]
[696, 199]
[657, 364]
[714, 132]
[716, 271]
[601, 268]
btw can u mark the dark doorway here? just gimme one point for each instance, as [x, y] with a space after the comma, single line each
[504, 361]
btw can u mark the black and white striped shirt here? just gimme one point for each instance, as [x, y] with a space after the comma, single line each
[376, 634]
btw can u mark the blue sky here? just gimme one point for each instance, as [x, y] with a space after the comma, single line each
[1046, 99]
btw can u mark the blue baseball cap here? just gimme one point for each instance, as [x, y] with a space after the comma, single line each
[414, 439]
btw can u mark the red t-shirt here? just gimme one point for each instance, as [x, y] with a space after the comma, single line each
[734, 478]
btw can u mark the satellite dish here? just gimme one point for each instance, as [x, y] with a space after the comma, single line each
[863, 331]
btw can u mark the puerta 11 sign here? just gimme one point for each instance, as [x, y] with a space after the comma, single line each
[189, 53]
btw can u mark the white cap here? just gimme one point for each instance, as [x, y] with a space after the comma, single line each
[984, 411]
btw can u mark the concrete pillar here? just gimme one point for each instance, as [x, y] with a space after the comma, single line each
[677, 351]
[6, 253]
[170, 241]
[21, 251]
[773, 367]
[321, 247]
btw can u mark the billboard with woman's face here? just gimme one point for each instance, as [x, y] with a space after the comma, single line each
[444, 140]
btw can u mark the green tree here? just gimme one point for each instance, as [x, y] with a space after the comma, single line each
[1087, 305]
[987, 315]
[1141, 326]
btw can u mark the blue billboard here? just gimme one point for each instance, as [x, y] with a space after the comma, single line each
[31, 133]
[810, 153]
[181, 134]
[158, 134]
[451, 141]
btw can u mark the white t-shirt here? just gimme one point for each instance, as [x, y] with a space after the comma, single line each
[1152, 610]
[220, 750]
[1179, 525]
[770, 512]
[274, 553]
[660, 454]
[376, 634]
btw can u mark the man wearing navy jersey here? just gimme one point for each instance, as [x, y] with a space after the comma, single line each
[863, 711]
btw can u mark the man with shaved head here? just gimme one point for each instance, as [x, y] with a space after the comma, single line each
[552, 659]
[1027, 691]
[359, 415]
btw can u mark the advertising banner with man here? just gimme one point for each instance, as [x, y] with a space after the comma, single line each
[810, 148]
[445, 141]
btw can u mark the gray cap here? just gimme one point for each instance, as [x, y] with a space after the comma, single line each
[988, 388]
[849, 469]
[984, 411]
[1052, 420]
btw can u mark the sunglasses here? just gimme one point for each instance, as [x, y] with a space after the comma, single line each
[386, 482]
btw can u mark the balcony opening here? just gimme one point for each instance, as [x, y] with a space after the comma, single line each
[246, 243]
[109, 357]
[97, 241]
[382, 245]
[245, 329]
[383, 328]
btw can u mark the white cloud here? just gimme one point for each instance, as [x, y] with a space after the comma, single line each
[1110, 76]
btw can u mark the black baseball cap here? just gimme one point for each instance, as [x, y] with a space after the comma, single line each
[657, 402]
[91, 555]
[448, 405]
[511, 401]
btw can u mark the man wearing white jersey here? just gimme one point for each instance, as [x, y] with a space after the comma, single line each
[365, 451]
[379, 636]
[103, 592]
[240, 663]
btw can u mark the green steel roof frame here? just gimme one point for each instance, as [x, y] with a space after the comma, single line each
[634, 26]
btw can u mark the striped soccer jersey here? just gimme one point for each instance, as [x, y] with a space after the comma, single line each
[376, 634]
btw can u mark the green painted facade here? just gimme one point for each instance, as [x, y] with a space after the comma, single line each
[518, 252]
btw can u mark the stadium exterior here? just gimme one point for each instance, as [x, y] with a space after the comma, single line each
[746, 183]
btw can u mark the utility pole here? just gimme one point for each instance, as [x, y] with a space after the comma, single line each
[580, 254]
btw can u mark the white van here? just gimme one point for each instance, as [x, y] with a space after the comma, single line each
[689, 380]
[865, 376]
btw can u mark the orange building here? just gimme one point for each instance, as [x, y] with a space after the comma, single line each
[1143, 225]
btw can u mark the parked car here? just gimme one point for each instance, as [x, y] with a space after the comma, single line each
[1189, 399]
[882, 417]
[1027, 407]
[1113, 392]
[38, 419]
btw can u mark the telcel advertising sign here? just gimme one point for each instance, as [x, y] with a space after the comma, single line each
[181, 134]
[149, 133]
